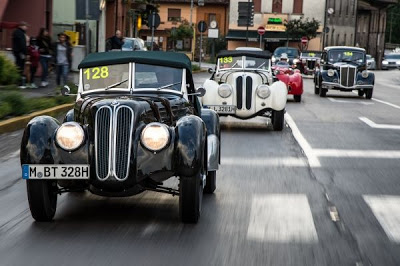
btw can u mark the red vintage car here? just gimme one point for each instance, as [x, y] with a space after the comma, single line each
[291, 77]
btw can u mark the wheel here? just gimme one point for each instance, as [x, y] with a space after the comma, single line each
[360, 93]
[278, 119]
[316, 88]
[322, 92]
[368, 93]
[42, 198]
[297, 98]
[190, 198]
[211, 182]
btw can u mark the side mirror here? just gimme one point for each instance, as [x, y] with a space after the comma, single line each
[211, 71]
[200, 92]
[66, 91]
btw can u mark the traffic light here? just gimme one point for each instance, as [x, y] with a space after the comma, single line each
[246, 14]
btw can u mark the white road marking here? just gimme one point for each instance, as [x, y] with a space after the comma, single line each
[346, 101]
[267, 162]
[387, 103]
[378, 154]
[281, 218]
[381, 126]
[11, 155]
[387, 211]
[308, 151]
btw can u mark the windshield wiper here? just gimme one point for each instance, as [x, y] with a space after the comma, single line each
[233, 65]
[261, 65]
[116, 84]
[169, 85]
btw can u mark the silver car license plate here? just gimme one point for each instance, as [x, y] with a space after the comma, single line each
[55, 171]
[223, 109]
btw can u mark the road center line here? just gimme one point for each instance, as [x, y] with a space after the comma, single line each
[267, 162]
[387, 103]
[345, 101]
[378, 154]
[374, 125]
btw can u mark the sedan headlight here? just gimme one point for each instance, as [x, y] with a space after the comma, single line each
[304, 61]
[331, 72]
[384, 62]
[295, 61]
[224, 90]
[398, 62]
[70, 136]
[364, 74]
[273, 59]
[155, 136]
[263, 91]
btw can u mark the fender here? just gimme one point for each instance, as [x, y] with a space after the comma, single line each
[278, 96]
[69, 117]
[190, 139]
[211, 119]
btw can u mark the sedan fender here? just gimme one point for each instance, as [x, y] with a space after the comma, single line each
[278, 95]
[211, 119]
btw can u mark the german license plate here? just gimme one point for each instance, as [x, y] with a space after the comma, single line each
[223, 109]
[55, 171]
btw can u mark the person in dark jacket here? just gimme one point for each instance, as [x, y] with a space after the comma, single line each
[44, 43]
[62, 57]
[117, 41]
[19, 46]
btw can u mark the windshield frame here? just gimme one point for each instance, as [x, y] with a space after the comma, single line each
[346, 50]
[242, 68]
[285, 52]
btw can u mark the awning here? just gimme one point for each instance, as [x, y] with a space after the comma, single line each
[253, 36]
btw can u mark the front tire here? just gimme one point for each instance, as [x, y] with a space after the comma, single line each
[368, 94]
[211, 182]
[42, 198]
[190, 198]
[297, 98]
[360, 93]
[316, 88]
[278, 120]
[322, 92]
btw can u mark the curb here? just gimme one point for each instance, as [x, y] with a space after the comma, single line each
[19, 122]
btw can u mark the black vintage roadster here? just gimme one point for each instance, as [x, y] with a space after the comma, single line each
[137, 122]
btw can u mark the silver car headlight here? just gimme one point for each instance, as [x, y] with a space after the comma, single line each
[263, 91]
[155, 136]
[224, 90]
[384, 62]
[70, 136]
[331, 72]
[364, 74]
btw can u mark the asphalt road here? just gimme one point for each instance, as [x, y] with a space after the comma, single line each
[325, 191]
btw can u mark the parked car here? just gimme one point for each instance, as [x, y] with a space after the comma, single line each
[391, 61]
[133, 44]
[242, 86]
[137, 122]
[344, 68]
[371, 64]
[292, 53]
[309, 61]
[291, 77]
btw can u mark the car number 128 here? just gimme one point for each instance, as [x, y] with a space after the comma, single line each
[55, 171]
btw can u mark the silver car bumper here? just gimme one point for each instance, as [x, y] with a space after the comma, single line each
[337, 86]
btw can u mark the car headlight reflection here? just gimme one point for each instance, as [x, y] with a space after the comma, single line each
[70, 136]
[155, 136]
[364, 74]
[331, 72]
[384, 62]
[224, 90]
[263, 91]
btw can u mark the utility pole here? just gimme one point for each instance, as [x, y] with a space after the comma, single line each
[87, 28]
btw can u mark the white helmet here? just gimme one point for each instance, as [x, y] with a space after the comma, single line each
[284, 57]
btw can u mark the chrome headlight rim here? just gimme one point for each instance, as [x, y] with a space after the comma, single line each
[160, 125]
[365, 74]
[258, 91]
[225, 85]
[79, 143]
[331, 72]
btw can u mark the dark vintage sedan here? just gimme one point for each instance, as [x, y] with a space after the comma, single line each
[345, 69]
[309, 61]
[137, 122]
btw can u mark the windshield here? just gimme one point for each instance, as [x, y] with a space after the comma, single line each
[369, 56]
[335, 56]
[237, 62]
[230, 62]
[103, 76]
[291, 52]
[311, 54]
[392, 56]
[282, 64]
[158, 77]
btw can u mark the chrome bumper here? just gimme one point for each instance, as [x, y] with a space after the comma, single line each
[333, 86]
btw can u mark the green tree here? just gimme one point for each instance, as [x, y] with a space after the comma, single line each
[298, 28]
[393, 24]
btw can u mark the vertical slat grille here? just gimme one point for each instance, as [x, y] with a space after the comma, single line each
[102, 142]
[249, 90]
[351, 76]
[347, 76]
[239, 92]
[311, 64]
[343, 76]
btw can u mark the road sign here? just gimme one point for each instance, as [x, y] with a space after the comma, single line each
[261, 30]
[202, 26]
[213, 33]
[154, 20]
[304, 40]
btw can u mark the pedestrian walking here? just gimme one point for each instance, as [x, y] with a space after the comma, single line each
[33, 57]
[19, 48]
[117, 41]
[63, 58]
[44, 43]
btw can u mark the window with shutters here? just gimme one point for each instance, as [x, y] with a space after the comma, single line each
[276, 6]
[257, 6]
[174, 14]
[298, 7]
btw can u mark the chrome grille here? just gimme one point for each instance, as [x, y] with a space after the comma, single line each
[103, 142]
[311, 64]
[347, 76]
[244, 91]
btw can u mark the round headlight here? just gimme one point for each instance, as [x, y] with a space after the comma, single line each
[331, 72]
[155, 136]
[70, 136]
[304, 61]
[364, 74]
[273, 59]
[224, 90]
[398, 62]
[277, 72]
[384, 62]
[295, 61]
[263, 91]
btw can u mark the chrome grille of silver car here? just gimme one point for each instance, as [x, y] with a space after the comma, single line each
[347, 76]
[103, 141]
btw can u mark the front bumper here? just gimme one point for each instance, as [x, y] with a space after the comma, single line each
[390, 66]
[337, 86]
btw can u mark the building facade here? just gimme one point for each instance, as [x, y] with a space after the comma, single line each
[272, 15]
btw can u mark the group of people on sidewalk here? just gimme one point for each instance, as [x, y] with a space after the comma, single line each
[29, 52]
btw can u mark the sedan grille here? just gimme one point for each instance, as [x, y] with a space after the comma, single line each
[103, 142]
[347, 76]
[244, 94]
[249, 92]
[239, 92]
[311, 64]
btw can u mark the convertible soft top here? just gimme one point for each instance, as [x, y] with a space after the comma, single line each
[169, 59]
[258, 54]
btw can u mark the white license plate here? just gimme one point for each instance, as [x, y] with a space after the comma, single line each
[55, 171]
[223, 109]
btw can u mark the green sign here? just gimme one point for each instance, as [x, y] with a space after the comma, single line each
[274, 21]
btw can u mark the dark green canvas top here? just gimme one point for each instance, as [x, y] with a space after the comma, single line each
[169, 59]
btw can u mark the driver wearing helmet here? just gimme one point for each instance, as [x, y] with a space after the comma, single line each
[284, 58]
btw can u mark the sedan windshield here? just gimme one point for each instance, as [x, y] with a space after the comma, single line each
[228, 62]
[346, 56]
[102, 77]
[157, 77]
[311, 54]
[392, 56]
[240, 62]
[291, 52]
